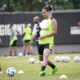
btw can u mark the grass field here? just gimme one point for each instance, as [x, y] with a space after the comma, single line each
[31, 71]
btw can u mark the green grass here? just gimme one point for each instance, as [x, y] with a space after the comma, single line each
[31, 71]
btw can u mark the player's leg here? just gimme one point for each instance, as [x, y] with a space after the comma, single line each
[29, 48]
[24, 48]
[46, 53]
[10, 47]
[10, 51]
[15, 51]
[40, 51]
[54, 68]
[14, 47]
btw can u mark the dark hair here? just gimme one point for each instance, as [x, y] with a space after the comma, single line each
[48, 8]
[26, 22]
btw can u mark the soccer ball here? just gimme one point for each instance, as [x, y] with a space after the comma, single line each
[67, 59]
[31, 60]
[20, 54]
[77, 58]
[11, 71]
[57, 58]
[63, 77]
[63, 59]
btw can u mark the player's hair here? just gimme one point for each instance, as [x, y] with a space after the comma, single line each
[36, 17]
[26, 22]
[48, 8]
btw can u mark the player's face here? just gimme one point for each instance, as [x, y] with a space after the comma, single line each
[45, 13]
[35, 20]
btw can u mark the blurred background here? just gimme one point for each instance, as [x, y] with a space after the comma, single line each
[67, 13]
[36, 5]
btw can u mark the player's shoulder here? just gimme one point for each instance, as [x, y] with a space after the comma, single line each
[44, 20]
[54, 20]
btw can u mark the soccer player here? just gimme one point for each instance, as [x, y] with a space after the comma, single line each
[46, 40]
[27, 37]
[13, 39]
[36, 29]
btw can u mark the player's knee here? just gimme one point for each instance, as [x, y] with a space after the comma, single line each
[46, 53]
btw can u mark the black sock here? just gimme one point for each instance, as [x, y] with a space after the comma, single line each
[43, 68]
[51, 65]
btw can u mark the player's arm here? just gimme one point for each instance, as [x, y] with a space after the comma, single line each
[54, 29]
[11, 24]
[34, 32]
[18, 33]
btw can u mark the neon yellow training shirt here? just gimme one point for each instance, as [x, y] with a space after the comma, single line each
[46, 28]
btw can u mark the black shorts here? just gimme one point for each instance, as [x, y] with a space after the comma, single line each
[14, 43]
[27, 41]
[41, 48]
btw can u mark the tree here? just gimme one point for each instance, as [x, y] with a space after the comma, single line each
[36, 5]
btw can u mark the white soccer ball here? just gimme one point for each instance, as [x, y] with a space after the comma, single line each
[11, 71]
[31, 60]
[63, 77]
[20, 54]
[57, 58]
[77, 58]
[63, 59]
[67, 58]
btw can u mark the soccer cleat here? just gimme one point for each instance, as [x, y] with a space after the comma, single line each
[54, 70]
[42, 73]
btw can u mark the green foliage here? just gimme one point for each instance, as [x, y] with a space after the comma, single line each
[36, 5]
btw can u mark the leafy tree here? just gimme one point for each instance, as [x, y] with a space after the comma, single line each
[36, 5]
